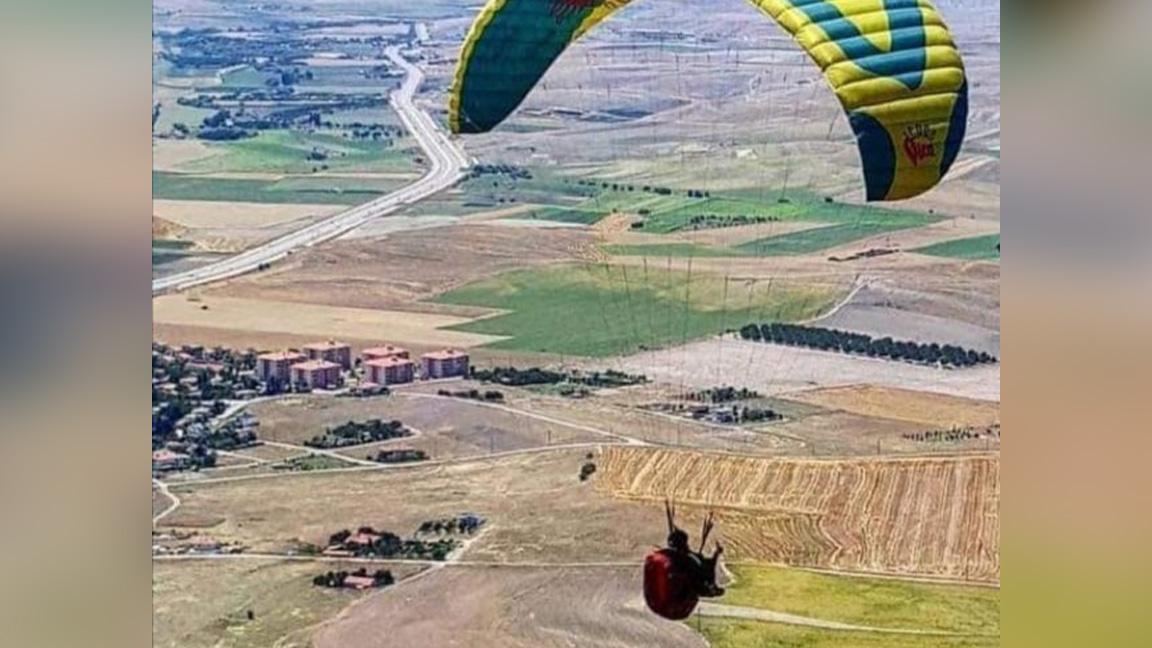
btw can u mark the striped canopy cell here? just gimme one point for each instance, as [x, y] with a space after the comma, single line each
[892, 64]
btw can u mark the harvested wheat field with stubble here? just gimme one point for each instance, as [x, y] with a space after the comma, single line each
[937, 517]
[939, 410]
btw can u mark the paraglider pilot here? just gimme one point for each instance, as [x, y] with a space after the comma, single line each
[675, 577]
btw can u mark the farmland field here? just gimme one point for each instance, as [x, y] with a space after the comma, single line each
[671, 250]
[287, 152]
[204, 603]
[594, 310]
[445, 428]
[935, 410]
[936, 517]
[881, 603]
[323, 322]
[511, 608]
[179, 186]
[975, 248]
[741, 633]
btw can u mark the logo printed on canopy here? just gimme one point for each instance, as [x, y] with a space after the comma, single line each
[918, 144]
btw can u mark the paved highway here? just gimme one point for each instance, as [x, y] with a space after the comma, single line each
[448, 166]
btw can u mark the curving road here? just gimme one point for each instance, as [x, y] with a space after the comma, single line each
[448, 164]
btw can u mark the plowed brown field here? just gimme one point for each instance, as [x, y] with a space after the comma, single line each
[924, 516]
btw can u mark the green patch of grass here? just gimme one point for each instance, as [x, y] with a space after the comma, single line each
[562, 215]
[739, 633]
[165, 251]
[242, 78]
[866, 601]
[671, 250]
[332, 184]
[178, 186]
[312, 462]
[170, 244]
[592, 310]
[850, 223]
[663, 222]
[283, 151]
[974, 248]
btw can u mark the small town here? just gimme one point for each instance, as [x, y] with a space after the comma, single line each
[199, 394]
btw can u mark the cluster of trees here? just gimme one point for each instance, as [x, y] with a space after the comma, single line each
[465, 524]
[193, 378]
[946, 355]
[587, 470]
[537, 376]
[722, 394]
[756, 414]
[511, 170]
[660, 191]
[734, 414]
[309, 463]
[353, 433]
[380, 578]
[491, 396]
[405, 455]
[288, 77]
[386, 544]
[955, 434]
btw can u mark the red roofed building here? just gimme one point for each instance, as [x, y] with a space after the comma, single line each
[331, 351]
[389, 371]
[362, 540]
[386, 351]
[168, 460]
[445, 364]
[277, 366]
[359, 582]
[317, 374]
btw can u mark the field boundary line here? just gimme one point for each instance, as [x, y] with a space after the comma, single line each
[405, 466]
[720, 610]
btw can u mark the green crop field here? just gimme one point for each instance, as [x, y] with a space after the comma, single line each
[872, 602]
[178, 186]
[562, 215]
[974, 248]
[739, 633]
[593, 310]
[282, 151]
[663, 250]
[242, 78]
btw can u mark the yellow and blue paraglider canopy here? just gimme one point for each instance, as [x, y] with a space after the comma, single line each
[892, 63]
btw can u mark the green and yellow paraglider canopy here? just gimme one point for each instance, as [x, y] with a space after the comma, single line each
[892, 63]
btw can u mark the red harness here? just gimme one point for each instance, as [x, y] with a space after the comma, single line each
[669, 589]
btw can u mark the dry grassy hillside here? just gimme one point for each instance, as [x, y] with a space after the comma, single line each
[932, 517]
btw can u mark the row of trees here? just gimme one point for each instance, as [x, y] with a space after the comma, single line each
[537, 376]
[490, 396]
[353, 433]
[370, 543]
[955, 434]
[722, 394]
[720, 221]
[660, 191]
[464, 524]
[405, 455]
[511, 170]
[946, 355]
